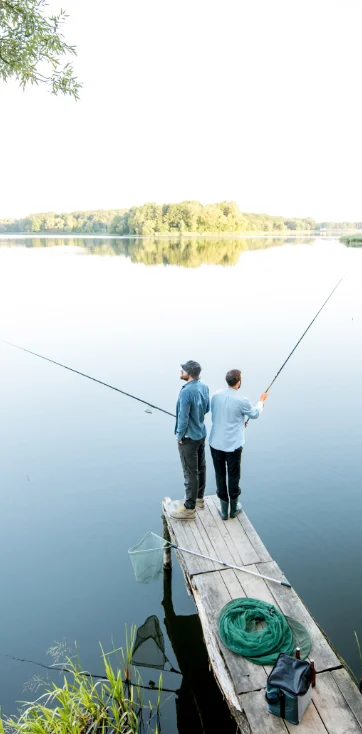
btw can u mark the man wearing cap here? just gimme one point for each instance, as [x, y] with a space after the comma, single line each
[190, 430]
[230, 412]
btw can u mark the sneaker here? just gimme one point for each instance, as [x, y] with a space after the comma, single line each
[182, 513]
[200, 503]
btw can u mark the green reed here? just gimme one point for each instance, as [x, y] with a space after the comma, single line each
[113, 704]
[352, 240]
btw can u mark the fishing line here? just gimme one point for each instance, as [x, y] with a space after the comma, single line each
[145, 402]
[47, 359]
[63, 669]
[302, 337]
[304, 333]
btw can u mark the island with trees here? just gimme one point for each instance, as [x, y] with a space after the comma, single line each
[186, 217]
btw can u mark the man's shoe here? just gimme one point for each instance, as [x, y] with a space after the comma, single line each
[235, 508]
[182, 513]
[224, 510]
[200, 503]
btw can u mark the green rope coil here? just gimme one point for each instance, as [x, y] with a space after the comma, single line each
[259, 631]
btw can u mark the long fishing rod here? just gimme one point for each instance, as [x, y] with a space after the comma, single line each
[145, 402]
[302, 337]
[47, 359]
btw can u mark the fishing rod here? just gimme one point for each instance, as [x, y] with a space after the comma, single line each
[145, 402]
[302, 337]
[71, 369]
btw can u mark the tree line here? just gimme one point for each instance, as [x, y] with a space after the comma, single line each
[153, 219]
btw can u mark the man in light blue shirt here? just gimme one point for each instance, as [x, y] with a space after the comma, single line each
[229, 412]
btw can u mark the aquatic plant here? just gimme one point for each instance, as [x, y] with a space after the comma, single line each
[113, 704]
[360, 659]
[357, 680]
[352, 240]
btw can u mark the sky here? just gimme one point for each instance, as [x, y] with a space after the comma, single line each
[256, 102]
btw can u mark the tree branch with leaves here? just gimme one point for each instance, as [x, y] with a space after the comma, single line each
[33, 49]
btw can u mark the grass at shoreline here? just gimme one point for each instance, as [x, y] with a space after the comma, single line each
[354, 240]
[86, 704]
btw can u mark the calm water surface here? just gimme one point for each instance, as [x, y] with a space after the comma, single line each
[83, 469]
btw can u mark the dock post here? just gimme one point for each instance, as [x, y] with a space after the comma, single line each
[167, 553]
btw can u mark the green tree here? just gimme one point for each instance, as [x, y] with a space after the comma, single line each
[119, 225]
[32, 47]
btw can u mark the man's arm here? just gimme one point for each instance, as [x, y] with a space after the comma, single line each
[253, 411]
[207, 410]
[183, 416]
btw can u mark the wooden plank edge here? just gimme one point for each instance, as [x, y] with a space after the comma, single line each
[254, 537]
[331, 645]
[219, 669]
[349, 691]
[332, 706]
[278, 592]
[179, 555]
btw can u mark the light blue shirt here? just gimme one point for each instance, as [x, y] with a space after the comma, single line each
[229, 410]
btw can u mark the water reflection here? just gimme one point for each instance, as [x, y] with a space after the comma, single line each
[189, 252]
[199, 704]
[194, 685]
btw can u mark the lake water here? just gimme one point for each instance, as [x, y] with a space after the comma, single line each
[83, 469]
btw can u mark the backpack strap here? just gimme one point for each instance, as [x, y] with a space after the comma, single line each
[274, 699]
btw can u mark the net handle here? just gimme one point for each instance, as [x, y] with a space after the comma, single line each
[230, 565]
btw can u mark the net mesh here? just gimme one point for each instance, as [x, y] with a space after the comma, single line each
[149, 645]
[147, 557]
[259, 631]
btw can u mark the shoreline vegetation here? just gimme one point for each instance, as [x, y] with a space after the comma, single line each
[89, 704]
[150, 219]
[352, 240]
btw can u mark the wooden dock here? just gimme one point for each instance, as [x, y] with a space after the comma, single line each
[336, 702]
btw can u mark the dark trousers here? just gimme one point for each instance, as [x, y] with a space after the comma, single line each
[192, 455]
[232, 461]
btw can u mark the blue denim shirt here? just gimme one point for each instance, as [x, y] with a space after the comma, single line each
[193, 402]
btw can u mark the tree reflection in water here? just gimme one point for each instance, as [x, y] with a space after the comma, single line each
[189, 252]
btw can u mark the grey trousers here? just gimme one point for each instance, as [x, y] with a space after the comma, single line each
[192, 455]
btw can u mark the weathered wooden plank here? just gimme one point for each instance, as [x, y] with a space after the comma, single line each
[255, 707]
[260, 720]
[208, 549]
[291, 605]
[167, 553]
[258, 545]
[333, 708]
[214, 517]
[181, 557]
[235, 536]
[220, 671]
[311, 723]
[183, 534]
[337, 704]
[195, 530]
[254, 587]
[208, 535]
[221, 549]
[349, 692]
[212, 595]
